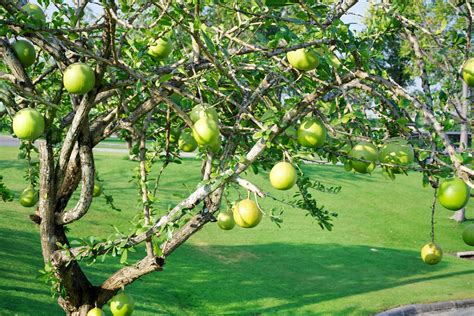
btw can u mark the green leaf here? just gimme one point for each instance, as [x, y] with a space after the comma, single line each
[346, 118]
[165, 78]
[124, 256]
[210, 45]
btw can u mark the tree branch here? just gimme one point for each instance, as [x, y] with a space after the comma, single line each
[88, 171]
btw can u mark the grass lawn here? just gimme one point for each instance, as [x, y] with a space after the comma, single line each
[368, 263]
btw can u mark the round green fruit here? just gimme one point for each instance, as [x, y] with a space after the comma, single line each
[97, 190]
[28, 124]
[226, 220]
[174, 135]
[311, 133]
[468, 235]
[160, 48]
[25, 51]
[29, 197]
[283, 176]
[96, 312]
[302, 59]
[205, 131]
[79, 78]
[122, 305]
[247, 214]
[419, 119]
[431, 253]
[35, 13]
[453, 194]
[200, 111]
[397, 152]
[365, 151]
[468, 72]
[187, 143]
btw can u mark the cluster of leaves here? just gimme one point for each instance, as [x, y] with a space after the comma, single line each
[109, 199]
[49, 276]
[5, 194]
[93, 248]
[32, 171]
[304, 199]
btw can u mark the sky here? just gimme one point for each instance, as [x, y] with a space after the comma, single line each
[355, 15]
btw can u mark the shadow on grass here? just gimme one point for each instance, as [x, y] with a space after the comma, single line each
[240, 279]
[20, 290]
[247, 279]
[13, 164]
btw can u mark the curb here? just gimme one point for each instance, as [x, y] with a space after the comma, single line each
[416, 309]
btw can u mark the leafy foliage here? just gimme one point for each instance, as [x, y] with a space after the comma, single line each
[5, 194]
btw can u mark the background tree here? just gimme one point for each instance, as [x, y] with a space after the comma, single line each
[435, 42]
[223, 56]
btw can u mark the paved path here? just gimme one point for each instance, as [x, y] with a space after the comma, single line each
[449, 308]
[456, 312]
[8, 141]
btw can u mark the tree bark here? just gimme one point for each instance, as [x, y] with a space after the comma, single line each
[460, 215]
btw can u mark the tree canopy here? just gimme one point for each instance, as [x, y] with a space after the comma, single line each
[252, 83]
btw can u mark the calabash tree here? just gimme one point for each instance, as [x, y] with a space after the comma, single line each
[258, 73]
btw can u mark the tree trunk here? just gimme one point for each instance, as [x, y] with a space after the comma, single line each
[460, 216]
[129, 142]
[79, 292]
[81, 311]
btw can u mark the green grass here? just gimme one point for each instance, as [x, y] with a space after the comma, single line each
[368, 263]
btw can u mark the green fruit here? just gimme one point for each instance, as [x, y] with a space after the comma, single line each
[397, 152]
[200, 111]
[187, 143]
[225, 220]
[419, 120]
[79, 78]
[302, 59]
[291, 132]
[160, 48]
[25, 51]
[468, 235]
[283, 176]
[122, 305]
[365, 151]
[35, 13]
[247, 214]
[311, 133]
[97, 190]
[453, 194]
[28, 124]
[29, 197]
[174, 135]
[95, 312]
[468, 72]
[431, 253]
[205, 131]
